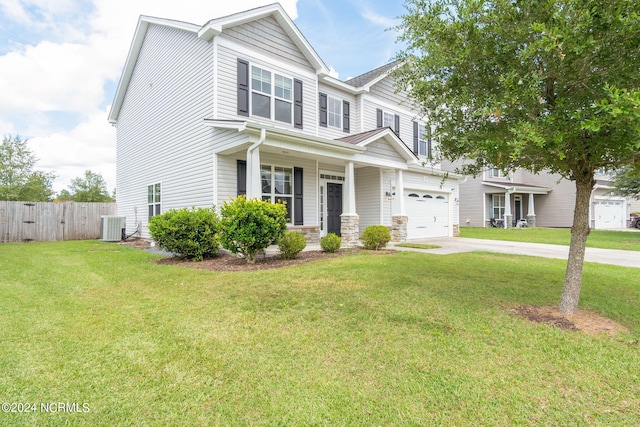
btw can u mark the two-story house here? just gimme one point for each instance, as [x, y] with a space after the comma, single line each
[545, 200]
[244, 105]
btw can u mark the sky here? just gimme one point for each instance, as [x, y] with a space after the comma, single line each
[61, 60]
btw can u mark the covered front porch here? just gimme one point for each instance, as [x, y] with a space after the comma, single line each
[329, 186]
[511, 205]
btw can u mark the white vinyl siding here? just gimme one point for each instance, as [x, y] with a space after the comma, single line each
[227, 89]
[354, 114]
[383, 150]
[368, 196]
[160, 133]
[271, 38]
[385, 89]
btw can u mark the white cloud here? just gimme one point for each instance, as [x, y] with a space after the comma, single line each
[66, 70]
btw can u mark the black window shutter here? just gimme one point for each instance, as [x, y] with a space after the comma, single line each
[379, 118]
[243, 87]
[397, 123]
[297, 197]
[415, 137]
[428, 130]
[297, 104]
[242, 177]
[323, 110]
[346, 121]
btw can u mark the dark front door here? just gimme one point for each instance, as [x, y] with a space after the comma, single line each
[334, 207]
[518, 209]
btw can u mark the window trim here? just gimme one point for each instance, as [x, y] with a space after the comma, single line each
[154, 207]
[337, 116]
[272, 194]
[500, 206]
[273, 98]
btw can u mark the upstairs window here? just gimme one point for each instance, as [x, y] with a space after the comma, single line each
[271, 92]
[424, 141]
[388, 120]
[335, 113]
[497, 173]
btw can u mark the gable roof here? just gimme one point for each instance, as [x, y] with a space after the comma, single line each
[374, 76]
[365, 138]
[207, 32]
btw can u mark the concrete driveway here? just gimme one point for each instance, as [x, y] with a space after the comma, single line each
[451, 245]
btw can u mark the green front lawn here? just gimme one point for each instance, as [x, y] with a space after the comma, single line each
[403, 339]
[605, 239]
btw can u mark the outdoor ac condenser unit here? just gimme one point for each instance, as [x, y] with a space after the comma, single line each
[112, 228]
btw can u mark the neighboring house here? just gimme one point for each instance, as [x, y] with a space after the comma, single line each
[543, 200]
[244, 105]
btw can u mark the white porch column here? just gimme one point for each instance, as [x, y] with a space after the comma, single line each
[254, 184]
[507, 210]
[399, 215]
[349, 196]
[531, 212]
[349, 220]
[400, 193]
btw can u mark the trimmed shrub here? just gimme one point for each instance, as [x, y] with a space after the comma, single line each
[250, 226]
[376, 237]
[291, 244]
[190, 233]
[330, 243]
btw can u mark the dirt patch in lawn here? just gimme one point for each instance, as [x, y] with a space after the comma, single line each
[583, 320]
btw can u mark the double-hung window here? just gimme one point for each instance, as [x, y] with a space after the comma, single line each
[498, 206]
[335, 113]
[153, 199]
[424, 141]
[497, 173]
[388, 120]
[277, 186]
[271, 95]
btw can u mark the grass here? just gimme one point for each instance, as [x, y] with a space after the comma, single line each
[605, 239]
[404, 339]
[417, 245]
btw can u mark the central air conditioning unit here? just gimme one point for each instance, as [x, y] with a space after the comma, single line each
[112, 228]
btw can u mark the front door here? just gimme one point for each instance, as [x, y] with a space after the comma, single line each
[517, 202]
[334, 207]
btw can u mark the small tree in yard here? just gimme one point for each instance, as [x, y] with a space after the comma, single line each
[541, 85]
[250, 226]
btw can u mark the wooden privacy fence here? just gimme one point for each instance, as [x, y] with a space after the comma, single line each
[48, 221]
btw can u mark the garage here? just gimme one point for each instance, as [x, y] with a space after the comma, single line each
[609, 214]
[428, 214]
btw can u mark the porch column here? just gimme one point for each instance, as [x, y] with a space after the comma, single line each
[349, 220]
[531, 212]
[399, 218]
[508, 217]
[254, 184]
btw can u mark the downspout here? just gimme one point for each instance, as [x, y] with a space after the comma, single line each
[253, 182]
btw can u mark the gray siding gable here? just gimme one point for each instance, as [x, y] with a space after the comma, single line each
[270, 37]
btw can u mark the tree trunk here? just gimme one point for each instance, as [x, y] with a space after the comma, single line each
[579, 233]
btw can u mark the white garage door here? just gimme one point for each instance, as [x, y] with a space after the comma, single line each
[428, 214]
[609, 214]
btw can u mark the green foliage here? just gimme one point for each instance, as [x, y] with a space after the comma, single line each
[291, 244]
[540, 85]
[627, 182]
[330, 243]
[18, 180]
[250, 226]
[376, 237]
[191, 233]
[90, 188]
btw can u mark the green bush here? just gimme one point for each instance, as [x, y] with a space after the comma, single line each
[190, 233]
[376, 237]
[250, 226]
[330, 243]
[291, 244]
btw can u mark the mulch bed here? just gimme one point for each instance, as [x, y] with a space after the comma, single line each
[583, 320]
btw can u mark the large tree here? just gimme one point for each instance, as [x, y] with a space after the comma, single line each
[18, 180]
[542, 85]
[89, 188]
